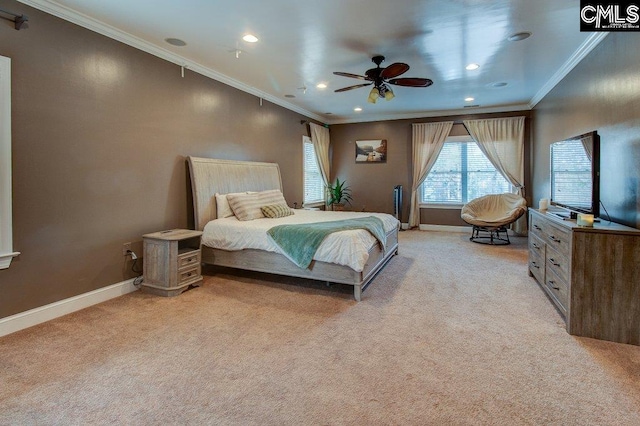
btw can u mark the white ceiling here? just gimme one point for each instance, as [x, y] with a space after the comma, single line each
[303, 42]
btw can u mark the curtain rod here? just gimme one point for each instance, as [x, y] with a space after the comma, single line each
[18, 20]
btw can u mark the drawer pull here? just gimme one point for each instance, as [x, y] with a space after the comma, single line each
[535, 265]
[189, 259]
[552, 283]
[554, 238]
[188, 274]
[535, 246]
[537, 227]
[553, 262]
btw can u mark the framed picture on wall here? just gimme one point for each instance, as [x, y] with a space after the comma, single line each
[371, 151]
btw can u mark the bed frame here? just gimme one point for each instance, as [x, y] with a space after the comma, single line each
[209, 176]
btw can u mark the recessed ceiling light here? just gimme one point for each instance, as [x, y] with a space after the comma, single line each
[469, 99]
[175, 42]
[289, 96]
[321, 85]
[519, 36]
[499, 84]
[472, 67]
[250, 38]
[357, 109]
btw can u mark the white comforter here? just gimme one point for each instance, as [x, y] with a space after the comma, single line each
[349, 248]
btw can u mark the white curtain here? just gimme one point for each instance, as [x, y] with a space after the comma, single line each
[502, 141]
[321, 141]
[427, 142]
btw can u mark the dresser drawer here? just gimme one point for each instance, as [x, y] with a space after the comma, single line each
[537, 225]
[559, 289]
[557, 263]
[536, 266]
[557, 238]
[188, 258]
[536, 245]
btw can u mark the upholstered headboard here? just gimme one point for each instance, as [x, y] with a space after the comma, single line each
[209, 175]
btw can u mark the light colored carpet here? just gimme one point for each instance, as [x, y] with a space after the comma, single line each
[450, 332]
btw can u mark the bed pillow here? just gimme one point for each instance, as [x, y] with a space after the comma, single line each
[274, 211]
[222, 204]
[247, 206]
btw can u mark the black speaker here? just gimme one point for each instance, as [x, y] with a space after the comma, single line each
[397, 202]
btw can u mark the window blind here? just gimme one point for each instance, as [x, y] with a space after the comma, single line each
[313, 183]
[462, 173]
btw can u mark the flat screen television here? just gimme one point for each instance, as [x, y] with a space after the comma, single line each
[575, 173]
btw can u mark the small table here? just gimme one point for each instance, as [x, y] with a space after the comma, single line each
[172, 261]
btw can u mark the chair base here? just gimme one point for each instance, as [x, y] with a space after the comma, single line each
[493, 237]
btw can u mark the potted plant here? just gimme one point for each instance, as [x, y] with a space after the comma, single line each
[337, 195]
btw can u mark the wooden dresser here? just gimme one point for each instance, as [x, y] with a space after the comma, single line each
[592, 275]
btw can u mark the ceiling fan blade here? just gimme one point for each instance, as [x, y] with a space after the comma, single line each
[411, 82]
[347, 74]
[394, 70]
[357, 86]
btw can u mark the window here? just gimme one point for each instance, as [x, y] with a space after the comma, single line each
[313, 183]
[460, 174]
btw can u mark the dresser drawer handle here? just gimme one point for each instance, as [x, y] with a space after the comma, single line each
[553, 262]
[189, 259]
[189, 274]
[535, 246]
[554, 238]
[537, 227]
[535, 265]
[552, 283]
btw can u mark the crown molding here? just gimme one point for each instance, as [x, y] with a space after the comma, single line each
[427, 114]
[585, 48]
[99, 27]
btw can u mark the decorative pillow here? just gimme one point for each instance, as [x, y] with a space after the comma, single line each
[274, 211]
[247, 206]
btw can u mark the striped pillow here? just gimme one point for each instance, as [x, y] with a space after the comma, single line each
[275, 211]
[247, 206]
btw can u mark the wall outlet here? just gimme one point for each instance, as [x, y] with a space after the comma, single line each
[126, 247]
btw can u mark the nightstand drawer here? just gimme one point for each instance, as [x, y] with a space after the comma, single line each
[188, 258]
[188, 275]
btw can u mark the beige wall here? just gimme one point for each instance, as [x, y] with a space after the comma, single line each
[602, 93]
[100, 135]
[373, 184]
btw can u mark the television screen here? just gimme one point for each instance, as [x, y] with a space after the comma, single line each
[575, 173]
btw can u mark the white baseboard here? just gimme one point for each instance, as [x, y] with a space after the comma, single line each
[48, 312]
[444, 228]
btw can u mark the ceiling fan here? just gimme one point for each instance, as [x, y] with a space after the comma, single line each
[380, 78]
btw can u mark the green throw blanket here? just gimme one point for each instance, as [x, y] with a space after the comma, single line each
[300, 242]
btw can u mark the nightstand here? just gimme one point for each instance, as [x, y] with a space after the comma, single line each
[171, 261]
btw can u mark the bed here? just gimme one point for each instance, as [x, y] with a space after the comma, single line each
[215, 176]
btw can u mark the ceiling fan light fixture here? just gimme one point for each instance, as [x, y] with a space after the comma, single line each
[250, 38]
[321, 85]
[388, 95]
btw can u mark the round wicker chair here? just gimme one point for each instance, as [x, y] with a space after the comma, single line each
[490, 215]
